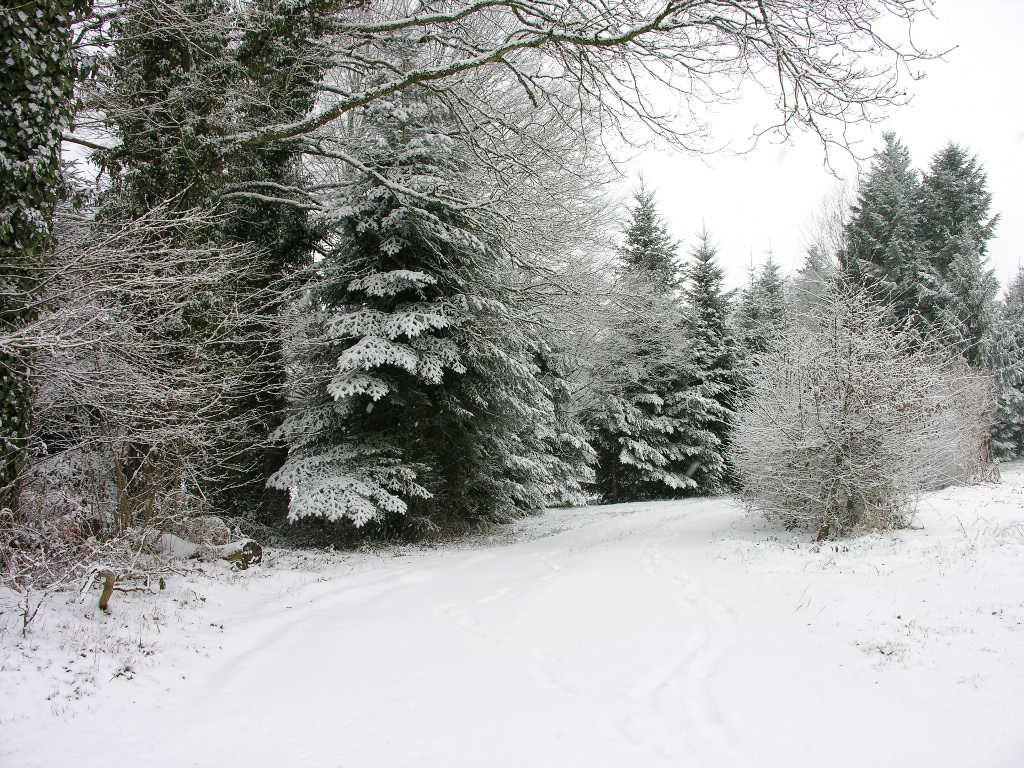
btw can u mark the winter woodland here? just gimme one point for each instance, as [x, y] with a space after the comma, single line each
[315, 273]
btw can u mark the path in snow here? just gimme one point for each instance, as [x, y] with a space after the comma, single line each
[668, 634]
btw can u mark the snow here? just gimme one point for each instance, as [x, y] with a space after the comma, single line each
[649, 634]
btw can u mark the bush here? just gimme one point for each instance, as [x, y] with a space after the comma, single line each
[849, 417]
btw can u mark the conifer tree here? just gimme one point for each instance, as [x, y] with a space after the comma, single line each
[812, 281]
[35, 105]
[954, 229]
[648, 248]
[1007, 363]
[761, 308]
[420, 394]
[638, 431]
[883, 249]
[714, 364]
[281, 64]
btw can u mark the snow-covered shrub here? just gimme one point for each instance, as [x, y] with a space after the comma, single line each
[849, 417]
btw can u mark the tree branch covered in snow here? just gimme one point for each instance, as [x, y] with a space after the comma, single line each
[130, 398]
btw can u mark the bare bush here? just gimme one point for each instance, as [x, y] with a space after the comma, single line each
[850, 417]
[140, 349]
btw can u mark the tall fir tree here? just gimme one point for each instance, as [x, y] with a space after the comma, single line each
[954, 229]
[164, 95]
[761, 308]
[714, 364]
[639, 431]
[648, 248]
[1006, 359]
[883, 249]
[163, 92]
[180, 76]
[35, 105]
[420, 396]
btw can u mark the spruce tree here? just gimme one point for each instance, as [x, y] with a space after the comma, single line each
[638, 432]
[761, 308]
[420, 397]
[1007, 363]
[714, 365]
[648, 248]
[281, 66]
[35, 105]
[954, 229]
[883, 249]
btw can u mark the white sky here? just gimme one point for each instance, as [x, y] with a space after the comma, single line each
[768, 198]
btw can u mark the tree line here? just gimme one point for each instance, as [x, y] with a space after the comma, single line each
[349, 261]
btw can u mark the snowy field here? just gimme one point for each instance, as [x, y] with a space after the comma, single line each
[656, 634]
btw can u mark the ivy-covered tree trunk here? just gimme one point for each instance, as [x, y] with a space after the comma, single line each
[35, 103]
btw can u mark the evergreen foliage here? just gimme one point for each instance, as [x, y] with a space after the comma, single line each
[955, 228]
[714, 363]
[919, 244]
[812, 281]
[761, 309]
[421, 392]
[1007, 363]
[164, 93]
[281, 64]
[883, 249]
[648, 248]
[651, 431]
[35, 105]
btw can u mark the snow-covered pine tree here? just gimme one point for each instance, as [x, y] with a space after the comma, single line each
[35, 104]
[420, 392]
[761, 309]
[954, 228]
[1006, 359]
[639, 428]
[648, 249]
[883, 250]
[713, 365]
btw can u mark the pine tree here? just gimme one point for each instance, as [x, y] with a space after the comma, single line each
[954, 229]
[639, 430]
[812, 281]
[1007, 363]
[424, 397]
[714, 364]
[883, 248]
[649, 249]
[35, 104]
[761, 308]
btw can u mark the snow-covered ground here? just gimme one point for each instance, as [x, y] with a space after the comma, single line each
[674, 633]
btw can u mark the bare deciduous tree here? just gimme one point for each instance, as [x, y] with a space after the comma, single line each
[131, 398]
[848, 418]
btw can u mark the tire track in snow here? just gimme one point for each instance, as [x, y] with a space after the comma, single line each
[683, 685]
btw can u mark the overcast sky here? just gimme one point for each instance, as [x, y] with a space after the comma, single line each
[768, 198]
